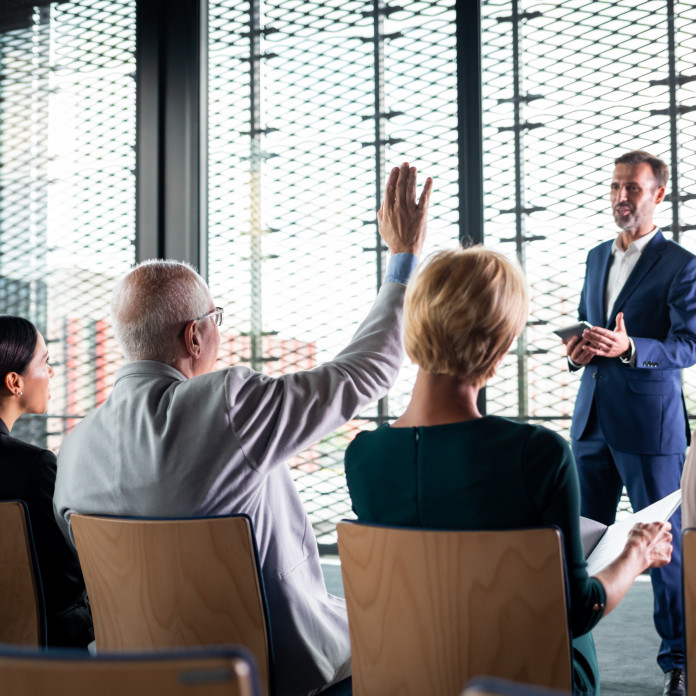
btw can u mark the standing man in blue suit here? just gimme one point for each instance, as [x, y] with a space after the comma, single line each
[630, 426]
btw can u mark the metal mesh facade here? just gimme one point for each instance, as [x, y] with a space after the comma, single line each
[310, 105]
[67, 191]
[567, 87]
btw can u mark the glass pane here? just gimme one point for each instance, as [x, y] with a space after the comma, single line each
[293, 165]
[592, 84]
[67, 191]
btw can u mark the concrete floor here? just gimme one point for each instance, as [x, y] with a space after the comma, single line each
[627, 644]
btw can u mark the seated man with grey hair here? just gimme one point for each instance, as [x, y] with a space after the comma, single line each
[176, 438]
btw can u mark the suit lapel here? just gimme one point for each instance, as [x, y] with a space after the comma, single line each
[602, 273]
[648, 258]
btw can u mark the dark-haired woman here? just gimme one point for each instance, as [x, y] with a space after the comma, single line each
[28, 473]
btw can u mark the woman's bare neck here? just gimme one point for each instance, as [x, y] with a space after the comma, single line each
[439, 400]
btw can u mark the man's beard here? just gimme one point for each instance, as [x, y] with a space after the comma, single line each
[626, 222]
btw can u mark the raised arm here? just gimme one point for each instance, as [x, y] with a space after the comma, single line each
[274, 419]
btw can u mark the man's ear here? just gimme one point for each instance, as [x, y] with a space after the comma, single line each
[192, 339]
[659, 195]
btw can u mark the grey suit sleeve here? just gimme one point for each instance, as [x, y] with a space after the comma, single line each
[274, 418]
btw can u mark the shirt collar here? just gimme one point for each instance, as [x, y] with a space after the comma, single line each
[635, 247]
[148, 368]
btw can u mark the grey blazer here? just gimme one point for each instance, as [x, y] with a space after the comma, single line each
[162, 445]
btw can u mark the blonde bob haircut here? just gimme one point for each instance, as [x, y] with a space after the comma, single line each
[463, 310]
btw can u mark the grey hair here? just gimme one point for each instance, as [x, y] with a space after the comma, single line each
[151, 305]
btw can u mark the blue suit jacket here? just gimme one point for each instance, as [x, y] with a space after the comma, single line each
[641, 409]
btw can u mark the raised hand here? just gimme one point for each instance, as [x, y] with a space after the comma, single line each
[401, 220]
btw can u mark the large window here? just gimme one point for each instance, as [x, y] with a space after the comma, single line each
[311, 102]
[310, 105]
[569, 86]
[67, 189]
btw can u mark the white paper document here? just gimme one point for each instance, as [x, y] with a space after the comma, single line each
[603, 544]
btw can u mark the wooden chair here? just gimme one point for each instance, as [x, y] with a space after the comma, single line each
[204, 672]
[689, 572]
[430, 610]
[502, 687]
[22, 620]
[163, 583]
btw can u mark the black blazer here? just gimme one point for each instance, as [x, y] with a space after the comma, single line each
[28, 473]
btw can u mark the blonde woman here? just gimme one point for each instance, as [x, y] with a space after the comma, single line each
[444, 465]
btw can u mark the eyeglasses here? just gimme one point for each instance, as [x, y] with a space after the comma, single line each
[218, 313]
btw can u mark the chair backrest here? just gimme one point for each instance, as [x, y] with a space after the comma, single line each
[21, 599]
[204, 672]
[485, 686]
[689, 572]
[430, 610]
[163, 583]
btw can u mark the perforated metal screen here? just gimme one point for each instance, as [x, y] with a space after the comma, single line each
[309, 103]
[67, 190]
[569, 86]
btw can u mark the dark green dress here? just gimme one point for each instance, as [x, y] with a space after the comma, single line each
[487, 473]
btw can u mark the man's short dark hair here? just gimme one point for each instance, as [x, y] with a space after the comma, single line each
[659, 169]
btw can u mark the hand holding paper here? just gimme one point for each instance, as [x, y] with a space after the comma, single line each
[643, 543]
[604, 544]
[653, 541]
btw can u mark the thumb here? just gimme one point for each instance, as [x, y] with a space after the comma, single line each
[620, 326]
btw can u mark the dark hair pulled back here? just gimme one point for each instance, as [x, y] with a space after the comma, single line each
[18, 338]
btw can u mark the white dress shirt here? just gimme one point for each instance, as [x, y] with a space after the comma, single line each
[623, 262]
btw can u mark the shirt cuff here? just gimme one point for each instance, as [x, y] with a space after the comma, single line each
[400, 268]
[631, 359]
[572, 364]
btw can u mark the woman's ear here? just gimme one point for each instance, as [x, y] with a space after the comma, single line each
[13, 383]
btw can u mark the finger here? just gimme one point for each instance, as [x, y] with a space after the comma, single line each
[598, 332]
[390, 191]
[411, 185]
[424, 200]
[601, 345]
[401, 183]
[580, 347]
[581, 356]
[604, 339]
[620, 326]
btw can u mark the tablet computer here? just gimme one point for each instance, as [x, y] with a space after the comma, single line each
[574, 330]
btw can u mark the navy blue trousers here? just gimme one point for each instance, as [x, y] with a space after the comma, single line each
[603, 471]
